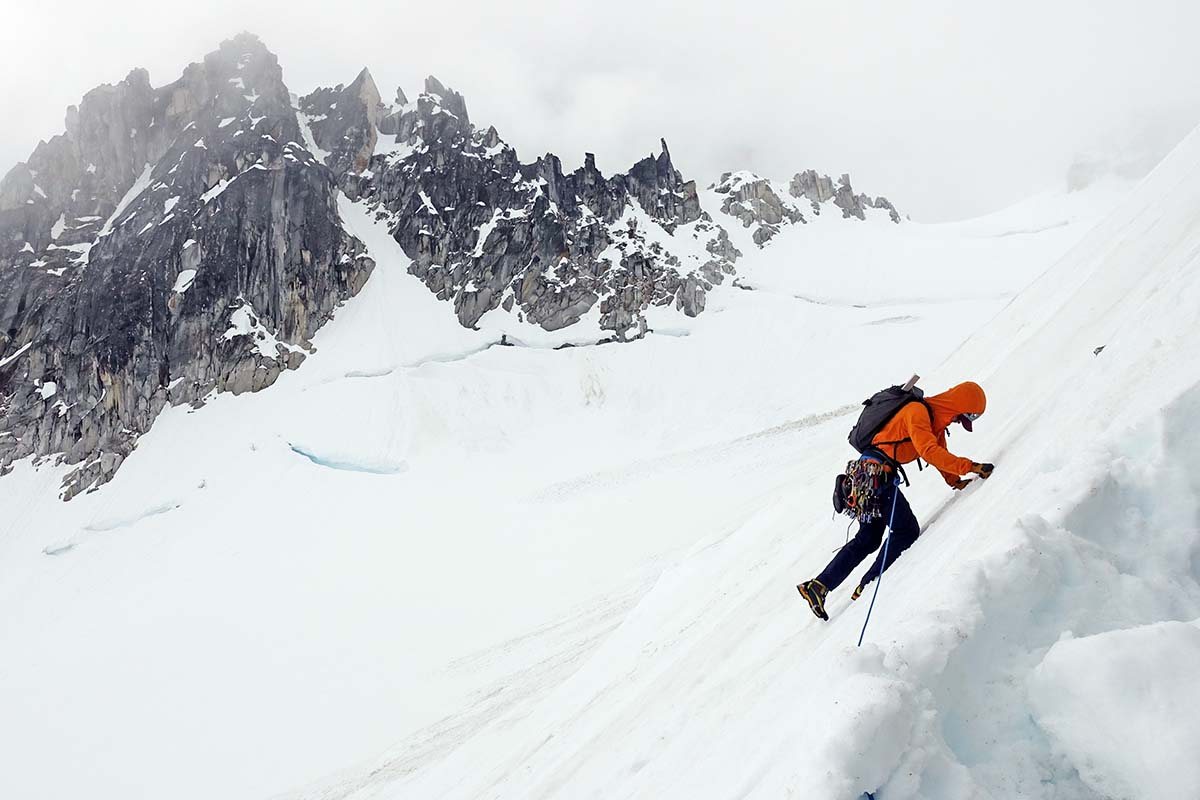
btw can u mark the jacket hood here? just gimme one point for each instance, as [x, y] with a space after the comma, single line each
[966, 398]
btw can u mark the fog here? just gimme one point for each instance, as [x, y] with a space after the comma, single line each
[950, 109]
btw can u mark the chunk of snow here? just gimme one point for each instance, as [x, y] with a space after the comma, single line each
[9, 359]
[38, 190]
[183, 281]
[77, 248]
[216, 190]
[169, 204]
[225, 121]
[28, 248]
[48, 390]
[137, 188]
[200, 143]
[485, 230]
[1097, 697]
[309, 143]
[395, 151]
[58, 227]
[244, 322]
[91, 169]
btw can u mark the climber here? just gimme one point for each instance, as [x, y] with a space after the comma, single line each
[916, 431]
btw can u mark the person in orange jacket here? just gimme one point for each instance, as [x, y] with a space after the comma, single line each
[917, 431]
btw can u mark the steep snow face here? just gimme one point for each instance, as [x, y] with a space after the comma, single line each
[569, 572]
[1081, 548]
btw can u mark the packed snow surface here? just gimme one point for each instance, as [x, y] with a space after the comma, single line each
[1097, 696]
[424, 565]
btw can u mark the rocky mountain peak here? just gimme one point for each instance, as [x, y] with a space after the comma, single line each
[183, 240]
[139, 77]
[364, 88]
[171, 243]
[446, 99]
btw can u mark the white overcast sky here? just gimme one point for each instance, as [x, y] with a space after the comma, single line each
[950, 108]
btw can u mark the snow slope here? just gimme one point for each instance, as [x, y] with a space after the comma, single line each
[840, 262]
[527, 572]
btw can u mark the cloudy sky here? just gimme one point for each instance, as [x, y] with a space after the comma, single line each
[949, 108]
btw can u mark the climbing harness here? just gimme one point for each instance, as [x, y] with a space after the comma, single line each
[859, 491]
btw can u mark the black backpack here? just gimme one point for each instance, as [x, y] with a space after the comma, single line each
[878, 410]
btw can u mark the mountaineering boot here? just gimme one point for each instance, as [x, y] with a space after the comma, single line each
[857, 593]
[814, 593]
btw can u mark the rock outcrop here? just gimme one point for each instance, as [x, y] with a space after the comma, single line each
[486, 231]
[818, 189]
[344, 123]
[751, 199]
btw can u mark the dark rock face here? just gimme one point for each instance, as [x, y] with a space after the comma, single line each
[485, 231]
[173, 242]
[751, 200]
[817, 189]
[344, 123]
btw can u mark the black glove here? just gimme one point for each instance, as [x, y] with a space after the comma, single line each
[983, 470]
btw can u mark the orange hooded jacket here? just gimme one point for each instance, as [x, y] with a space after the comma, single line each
[914, 436]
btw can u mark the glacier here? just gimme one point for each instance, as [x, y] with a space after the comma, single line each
[569, 572]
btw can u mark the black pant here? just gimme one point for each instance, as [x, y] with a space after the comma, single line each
[905, 531]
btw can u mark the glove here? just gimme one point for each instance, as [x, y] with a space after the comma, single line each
[961, 483]
[983, 470]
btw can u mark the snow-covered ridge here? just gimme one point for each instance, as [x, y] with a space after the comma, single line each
[756, 203]
[487, 232]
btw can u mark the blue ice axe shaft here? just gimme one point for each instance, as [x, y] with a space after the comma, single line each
[883, 564]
